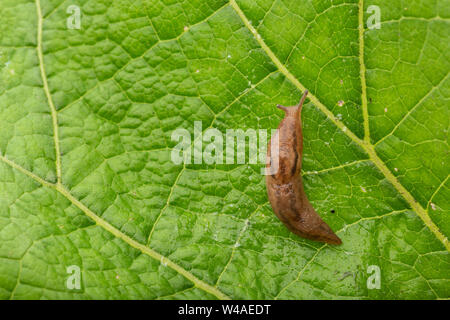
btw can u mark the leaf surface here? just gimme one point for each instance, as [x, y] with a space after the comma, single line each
[86, 176]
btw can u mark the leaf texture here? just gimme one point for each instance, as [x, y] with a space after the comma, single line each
[86, 178]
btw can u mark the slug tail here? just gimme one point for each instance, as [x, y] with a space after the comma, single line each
[310, 225]
[329, 236]
[320, 229]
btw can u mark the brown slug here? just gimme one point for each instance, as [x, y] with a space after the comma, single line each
[285, 186]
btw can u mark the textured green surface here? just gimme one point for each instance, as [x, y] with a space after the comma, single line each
[85, 123]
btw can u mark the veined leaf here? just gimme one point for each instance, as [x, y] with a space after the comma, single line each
[86, 177]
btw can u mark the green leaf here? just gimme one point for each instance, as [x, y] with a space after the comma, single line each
[86, 177]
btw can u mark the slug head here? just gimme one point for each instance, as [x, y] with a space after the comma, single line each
[293, 111]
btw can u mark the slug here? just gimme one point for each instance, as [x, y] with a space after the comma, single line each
[285, 187]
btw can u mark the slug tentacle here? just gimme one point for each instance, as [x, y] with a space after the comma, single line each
[285, 187]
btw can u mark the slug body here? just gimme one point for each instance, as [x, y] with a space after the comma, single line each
[285, 186]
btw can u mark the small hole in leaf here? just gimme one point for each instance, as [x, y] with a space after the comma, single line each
[332, 211]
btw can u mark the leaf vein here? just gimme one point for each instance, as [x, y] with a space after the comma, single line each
[40, 21]
[118, 234]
